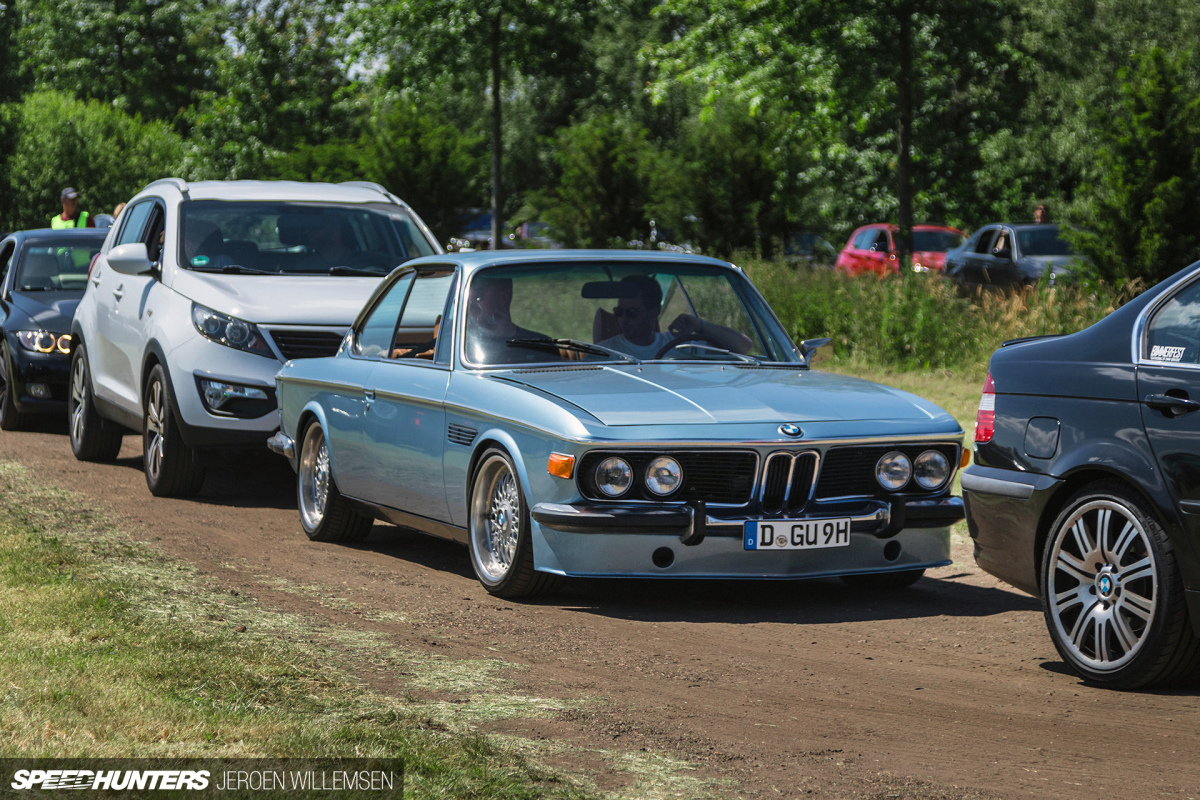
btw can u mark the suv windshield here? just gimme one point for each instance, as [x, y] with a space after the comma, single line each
[298, 238]
[618, 312]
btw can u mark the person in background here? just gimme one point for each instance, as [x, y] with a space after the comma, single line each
[117, 211]
[71, 216]
[1041, 214]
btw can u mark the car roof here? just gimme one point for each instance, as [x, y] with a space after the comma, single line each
[1023, 226]
[349, 192]
[42, 234]
[493, 258]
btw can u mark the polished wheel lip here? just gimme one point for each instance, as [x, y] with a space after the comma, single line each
[78, 399]
[314, 478]
[155, 411]
[1104, 565]
[495, 519]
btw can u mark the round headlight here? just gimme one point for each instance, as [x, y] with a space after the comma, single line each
[663, 476]
[614, 476]
[931, 469]
[237, 332]
[893, 471]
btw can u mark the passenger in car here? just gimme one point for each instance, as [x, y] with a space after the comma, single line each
[490, 328]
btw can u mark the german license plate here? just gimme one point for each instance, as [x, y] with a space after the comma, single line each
[789, 534]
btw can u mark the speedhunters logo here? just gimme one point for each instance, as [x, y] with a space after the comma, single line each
[202, 777]
[111, 780]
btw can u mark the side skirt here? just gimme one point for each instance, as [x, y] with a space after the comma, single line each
[433, 527]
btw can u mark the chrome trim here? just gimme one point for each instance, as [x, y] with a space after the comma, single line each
[1139, 325]
[282, 444]
[996, 486]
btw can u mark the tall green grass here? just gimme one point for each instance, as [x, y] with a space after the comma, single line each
[922, 322]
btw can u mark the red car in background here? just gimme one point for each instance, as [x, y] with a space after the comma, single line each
[872, 248]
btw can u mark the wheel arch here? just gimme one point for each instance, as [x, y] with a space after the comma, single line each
[1082, 476]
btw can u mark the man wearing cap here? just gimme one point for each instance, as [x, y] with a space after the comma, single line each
[71, 216]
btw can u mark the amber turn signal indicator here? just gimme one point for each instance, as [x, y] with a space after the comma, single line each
[964, 460]
[561, 466]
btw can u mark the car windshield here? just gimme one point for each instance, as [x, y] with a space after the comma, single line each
[623, 311]
[55, 266]
[1042, 242]
[935, 241]
[298, 238]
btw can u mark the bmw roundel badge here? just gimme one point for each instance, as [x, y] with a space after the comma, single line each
[791, 429]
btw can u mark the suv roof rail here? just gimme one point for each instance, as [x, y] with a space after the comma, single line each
[178, 183]
[376, 188]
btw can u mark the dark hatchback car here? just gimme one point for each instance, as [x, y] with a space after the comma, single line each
[1012, 255]
[1085, 489]
[42, 276]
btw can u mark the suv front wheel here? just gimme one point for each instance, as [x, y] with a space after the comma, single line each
[170, 470]
[90, 439]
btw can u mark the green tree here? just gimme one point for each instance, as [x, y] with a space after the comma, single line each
[895, 95]
[481, 43]
[1139, 214]
[60, 141]
[148, 57]
[279, 86]
[601, 196]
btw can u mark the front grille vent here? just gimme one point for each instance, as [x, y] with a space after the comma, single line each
[461, 434]
[788, 482]
[849, 471]
[295, 344]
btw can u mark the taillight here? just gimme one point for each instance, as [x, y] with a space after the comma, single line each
[985, 419]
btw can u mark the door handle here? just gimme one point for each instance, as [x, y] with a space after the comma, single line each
[119, 292]
[1171, 405]
[369, 396]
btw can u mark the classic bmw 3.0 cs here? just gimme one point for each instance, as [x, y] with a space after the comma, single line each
[597, 413]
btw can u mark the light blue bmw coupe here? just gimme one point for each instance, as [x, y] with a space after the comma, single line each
[624, 414]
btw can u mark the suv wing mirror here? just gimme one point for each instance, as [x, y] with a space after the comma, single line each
[130, 259]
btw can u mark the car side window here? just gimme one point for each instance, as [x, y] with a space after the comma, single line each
[6, 258]
[1173, 335]
[375, 338]
[881, 243]
[134, 222]
[864, 240]
[984, 243]
[1002, 248]
[421, 319]
[155, 233]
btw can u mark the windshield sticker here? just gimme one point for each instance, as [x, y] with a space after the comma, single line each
[200, 261]
[1161, 353]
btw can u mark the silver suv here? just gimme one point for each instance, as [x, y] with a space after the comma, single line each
[201, 291]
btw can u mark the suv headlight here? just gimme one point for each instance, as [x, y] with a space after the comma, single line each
[45, 342]
[229, 331]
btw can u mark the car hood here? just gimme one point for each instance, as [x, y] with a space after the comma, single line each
[654, 394]
[280, 299]
[51, 311]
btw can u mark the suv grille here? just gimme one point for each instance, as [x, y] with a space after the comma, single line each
[305, 344]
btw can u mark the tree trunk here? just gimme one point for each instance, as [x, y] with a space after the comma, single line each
[905, 104]
[497, 222]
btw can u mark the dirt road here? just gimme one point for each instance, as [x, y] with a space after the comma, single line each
[949, 689]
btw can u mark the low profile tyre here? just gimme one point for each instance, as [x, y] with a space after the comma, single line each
[324, 513]
[498, 531]
[884, 581]
[90, 440]
[1112, 593]
[170, 470]
[10, 418]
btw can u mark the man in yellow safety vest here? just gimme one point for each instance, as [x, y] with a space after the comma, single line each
[71, 216]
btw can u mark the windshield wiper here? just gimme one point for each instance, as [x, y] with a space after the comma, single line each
[343, 270]
[235, 269]
[574, 344]
[741, 356]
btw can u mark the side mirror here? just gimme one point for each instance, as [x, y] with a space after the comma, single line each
[130, 259]
[809, 348]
